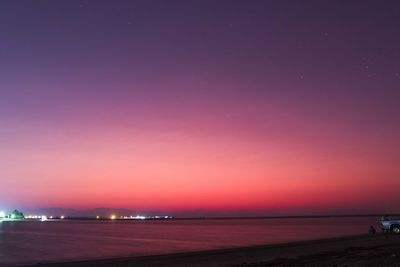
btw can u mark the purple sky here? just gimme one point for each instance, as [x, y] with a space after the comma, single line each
[248, 105]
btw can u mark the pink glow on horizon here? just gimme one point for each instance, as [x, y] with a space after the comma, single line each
[200, 105]
[198, 165]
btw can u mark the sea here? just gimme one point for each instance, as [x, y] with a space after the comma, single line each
[33, 242]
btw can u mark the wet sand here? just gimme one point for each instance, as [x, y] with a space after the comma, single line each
[364, 250]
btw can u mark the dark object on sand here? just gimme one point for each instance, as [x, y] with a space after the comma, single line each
[371, 230]
[391, 226]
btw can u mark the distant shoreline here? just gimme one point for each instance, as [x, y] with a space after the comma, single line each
[219, 218]
[344, 250]
[286, 217]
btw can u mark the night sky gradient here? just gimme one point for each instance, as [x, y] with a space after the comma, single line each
[267, 107]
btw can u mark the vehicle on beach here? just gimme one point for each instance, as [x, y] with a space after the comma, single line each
[392, 226]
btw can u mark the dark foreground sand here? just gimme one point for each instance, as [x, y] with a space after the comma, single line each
[379, 250]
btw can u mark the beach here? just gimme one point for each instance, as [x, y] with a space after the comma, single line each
[360, 250]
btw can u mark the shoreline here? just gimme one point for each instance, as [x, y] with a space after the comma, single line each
[173, 218]
[330, 251]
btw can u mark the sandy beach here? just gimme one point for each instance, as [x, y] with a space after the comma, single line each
[364, 250]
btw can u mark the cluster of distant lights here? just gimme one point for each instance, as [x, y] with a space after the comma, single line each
[43, 217]
[3, 215]
[62, 217]
[112, 217]
[137, 217]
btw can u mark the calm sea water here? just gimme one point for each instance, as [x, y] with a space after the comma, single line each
[55, 241]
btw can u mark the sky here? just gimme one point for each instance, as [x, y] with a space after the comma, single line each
[232, 107]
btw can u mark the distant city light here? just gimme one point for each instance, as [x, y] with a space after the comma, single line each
[2, 214]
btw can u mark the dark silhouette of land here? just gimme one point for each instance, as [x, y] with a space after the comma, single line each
[105, 213]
